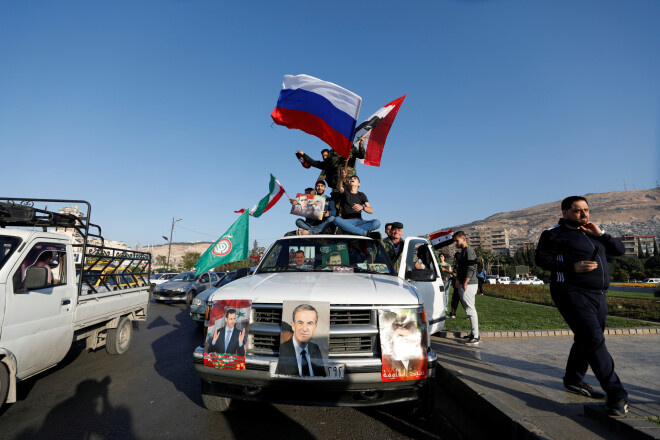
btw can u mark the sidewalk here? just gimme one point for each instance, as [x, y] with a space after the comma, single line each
[515, 383]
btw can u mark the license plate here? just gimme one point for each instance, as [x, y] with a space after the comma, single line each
[333, 372]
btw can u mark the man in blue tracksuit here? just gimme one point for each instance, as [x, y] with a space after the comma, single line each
[575, 252]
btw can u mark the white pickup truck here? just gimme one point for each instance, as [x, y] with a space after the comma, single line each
[48, 301]
[361, 289]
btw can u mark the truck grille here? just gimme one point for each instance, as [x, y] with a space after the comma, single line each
[353, 331]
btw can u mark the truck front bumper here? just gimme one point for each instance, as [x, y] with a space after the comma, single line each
[361, 386]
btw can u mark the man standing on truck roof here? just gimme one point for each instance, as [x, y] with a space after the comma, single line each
[353, 202]
[299, 356]
[575, 252]
[467, 284]
[228, 339]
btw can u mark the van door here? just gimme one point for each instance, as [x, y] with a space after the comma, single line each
[38, 325]
[417, 253]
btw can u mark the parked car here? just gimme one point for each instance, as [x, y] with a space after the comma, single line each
[198, 305]
[491, 279]
[527, 281]
[161, 278]
[503, 280]
[651, 281]
[184, 287]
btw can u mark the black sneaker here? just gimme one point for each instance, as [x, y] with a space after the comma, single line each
[473, 341]
[374, 234]
[617, 407]
[470, 336]
[584, 389]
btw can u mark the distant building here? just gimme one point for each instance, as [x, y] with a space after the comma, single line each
[77, 238]
[496, 240]
[633, 243]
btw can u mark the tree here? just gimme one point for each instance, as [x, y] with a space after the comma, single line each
[161, 260]
[189, 260]
[487, 256]
[256, 249]
[640, 254]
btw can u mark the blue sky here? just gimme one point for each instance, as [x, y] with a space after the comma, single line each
[159, 109]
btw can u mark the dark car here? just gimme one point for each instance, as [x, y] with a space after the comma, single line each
[184, 287]
[198, 305]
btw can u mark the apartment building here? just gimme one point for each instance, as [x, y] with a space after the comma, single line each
[633, 243]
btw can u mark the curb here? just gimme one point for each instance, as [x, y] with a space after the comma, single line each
[507, 422]
[634, 425]
[545, 333]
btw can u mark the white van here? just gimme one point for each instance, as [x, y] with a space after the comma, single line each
[651, 281]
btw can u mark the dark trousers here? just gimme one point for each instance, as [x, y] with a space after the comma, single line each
[455, 298]
[585, 313]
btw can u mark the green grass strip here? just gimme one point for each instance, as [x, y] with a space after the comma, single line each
[501, 314]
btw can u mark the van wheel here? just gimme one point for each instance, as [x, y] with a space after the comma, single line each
[212, 402]
[191, 295]
[4, 383]
[119, 339]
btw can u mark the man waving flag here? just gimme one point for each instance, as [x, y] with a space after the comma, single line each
[275, 191]
[320, 108]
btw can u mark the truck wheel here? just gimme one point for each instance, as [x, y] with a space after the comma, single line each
[4, 383]
[191, 295]
[212, 402]
[119, 339]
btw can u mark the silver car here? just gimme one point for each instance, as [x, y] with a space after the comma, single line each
[184, 287]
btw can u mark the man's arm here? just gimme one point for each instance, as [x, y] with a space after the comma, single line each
[612, 245]
[471, 266]
[546, 255]
[312, 162]
[367, 208]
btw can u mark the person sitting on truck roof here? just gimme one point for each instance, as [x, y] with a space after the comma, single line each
[353, 202]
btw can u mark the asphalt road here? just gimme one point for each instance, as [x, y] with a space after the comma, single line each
[152, 391]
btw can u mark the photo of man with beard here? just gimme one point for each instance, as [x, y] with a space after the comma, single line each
[404, 357]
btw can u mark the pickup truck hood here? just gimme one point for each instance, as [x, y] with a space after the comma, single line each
[335, 288]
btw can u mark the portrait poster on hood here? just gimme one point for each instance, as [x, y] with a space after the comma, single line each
[227, 335]
[304, 340]
[309, 206]
[403, 345]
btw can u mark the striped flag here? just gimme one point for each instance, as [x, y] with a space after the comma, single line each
[319, 108]
[441, 239]
[377, 127]
[275, 191]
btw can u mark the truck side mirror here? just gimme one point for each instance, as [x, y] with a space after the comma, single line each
[35, 278]
[422, 275]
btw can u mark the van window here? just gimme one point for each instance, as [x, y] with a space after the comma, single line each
[47, 255]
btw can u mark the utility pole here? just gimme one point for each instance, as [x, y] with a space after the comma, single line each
[169, 250]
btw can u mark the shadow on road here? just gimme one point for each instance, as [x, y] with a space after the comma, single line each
[85, 415]
[241, 420]
[173, 352]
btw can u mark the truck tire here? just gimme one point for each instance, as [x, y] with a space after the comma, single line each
[212, 402]
[119, 339]
[4, 383]
[191, 295]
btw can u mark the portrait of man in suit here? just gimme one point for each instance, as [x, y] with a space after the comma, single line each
[228, 338]
[298, 355]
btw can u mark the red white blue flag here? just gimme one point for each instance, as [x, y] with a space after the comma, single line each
[377, 127]
[319, 108]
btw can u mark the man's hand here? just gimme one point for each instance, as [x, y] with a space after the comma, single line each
[585, 266]
[357, 208]
[216, 334]
[300, 152]
[591, 229]
[326, 214]
[241, 336]
[294, 202]
[465, 284]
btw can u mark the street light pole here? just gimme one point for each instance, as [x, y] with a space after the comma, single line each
[169, 250]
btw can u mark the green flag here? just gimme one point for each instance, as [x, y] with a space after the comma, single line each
[232, 246]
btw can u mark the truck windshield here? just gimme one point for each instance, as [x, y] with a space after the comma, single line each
[321, 254]
[7, 246]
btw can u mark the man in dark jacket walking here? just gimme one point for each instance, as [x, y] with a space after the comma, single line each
[574, 251]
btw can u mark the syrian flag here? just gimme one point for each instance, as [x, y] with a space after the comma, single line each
[377, 127]
[442, 238]
[275, 191]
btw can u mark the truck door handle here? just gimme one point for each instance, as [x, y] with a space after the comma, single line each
[66, 302]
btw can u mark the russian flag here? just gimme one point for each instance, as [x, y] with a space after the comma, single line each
[319, 108]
